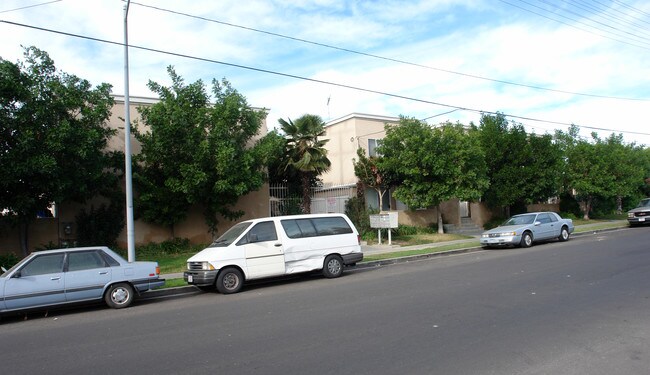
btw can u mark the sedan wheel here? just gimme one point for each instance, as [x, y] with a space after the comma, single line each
[564, 234]
[526, 240]
[119, 296]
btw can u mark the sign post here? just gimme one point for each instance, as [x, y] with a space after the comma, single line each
[386, 220]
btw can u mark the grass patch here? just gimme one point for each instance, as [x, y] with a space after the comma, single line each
[173, 283]
[604, 225]
[419, 239]
[429, 250]
[169, 263]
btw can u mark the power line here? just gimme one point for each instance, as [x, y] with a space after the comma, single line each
[383, 57]
[644, 39]
[30, 6]
[176, 54]
[573, 26]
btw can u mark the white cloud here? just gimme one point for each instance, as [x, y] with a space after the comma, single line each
[473, 37]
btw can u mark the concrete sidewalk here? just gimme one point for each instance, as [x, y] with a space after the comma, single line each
[471, 243]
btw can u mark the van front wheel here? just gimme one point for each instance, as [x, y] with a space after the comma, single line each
[230, 280]
[333, 266]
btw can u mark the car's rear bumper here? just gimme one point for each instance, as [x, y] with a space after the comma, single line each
[350, 259]
[144, 285]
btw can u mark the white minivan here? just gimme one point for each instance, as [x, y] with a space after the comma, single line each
[276, 246]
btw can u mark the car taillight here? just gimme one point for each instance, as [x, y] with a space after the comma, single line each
[157, 270]
[359, 239]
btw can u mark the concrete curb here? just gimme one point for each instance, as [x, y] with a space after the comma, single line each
[190, 289]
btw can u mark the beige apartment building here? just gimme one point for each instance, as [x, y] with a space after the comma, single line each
[355, 130]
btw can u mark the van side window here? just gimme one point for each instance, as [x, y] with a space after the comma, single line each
[261, 232]
[306, 228]
[331, 225]
[321, 226]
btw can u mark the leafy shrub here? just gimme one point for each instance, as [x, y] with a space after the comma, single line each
[493, 223]
[568, 215]
[291, 206]
[48, 246]
[406, 230]
[8, 260]
[100, 226]
[169, 247]
[355, 209]
[569, 205]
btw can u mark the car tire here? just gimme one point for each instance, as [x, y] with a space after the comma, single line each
[119, 296]
[526, 240]
[230, 280]
[564, 234]
[332, 266]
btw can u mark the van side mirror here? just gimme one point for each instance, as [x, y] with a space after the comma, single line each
[538, 223]
[16, 275]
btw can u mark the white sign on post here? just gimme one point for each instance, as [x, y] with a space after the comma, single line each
[385, 220]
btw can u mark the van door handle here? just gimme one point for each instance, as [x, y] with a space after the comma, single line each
[103, 272]
[55, 278]
[277, 245]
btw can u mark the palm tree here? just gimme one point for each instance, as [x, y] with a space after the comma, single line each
[305, 153]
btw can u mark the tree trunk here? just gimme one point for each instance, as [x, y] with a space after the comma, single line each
[619, 205]
[23, 230]
[585, 207]
[306, 194]
[441, 226]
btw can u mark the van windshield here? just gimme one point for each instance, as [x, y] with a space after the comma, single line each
[231, 235]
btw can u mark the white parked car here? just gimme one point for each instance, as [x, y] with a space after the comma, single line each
[276, 246]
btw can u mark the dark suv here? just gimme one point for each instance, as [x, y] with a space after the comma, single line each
[641, 214]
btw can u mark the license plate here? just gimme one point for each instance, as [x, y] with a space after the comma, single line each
[190, 278]
[642, 219]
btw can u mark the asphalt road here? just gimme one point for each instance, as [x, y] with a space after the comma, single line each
[580, 307]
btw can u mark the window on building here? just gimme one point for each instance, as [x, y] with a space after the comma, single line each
[372, 147]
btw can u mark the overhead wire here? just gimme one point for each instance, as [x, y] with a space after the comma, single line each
[404, 97]
[646, 47]
[603, 24]
[30, 6]
[384, 57]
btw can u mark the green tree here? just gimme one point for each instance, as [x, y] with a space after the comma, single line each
[368, 171]
[305, 152]
[195, 152]
[53, 141]
[602, 168]
[433, 165]
[522, 168]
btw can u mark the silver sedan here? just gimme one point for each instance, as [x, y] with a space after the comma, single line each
[522, 230]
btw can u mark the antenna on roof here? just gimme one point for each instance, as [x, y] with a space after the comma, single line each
[328, 107]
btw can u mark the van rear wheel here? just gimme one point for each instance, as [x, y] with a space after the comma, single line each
[230, 280]
[333, 266]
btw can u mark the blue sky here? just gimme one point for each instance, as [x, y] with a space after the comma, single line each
[453, 53]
